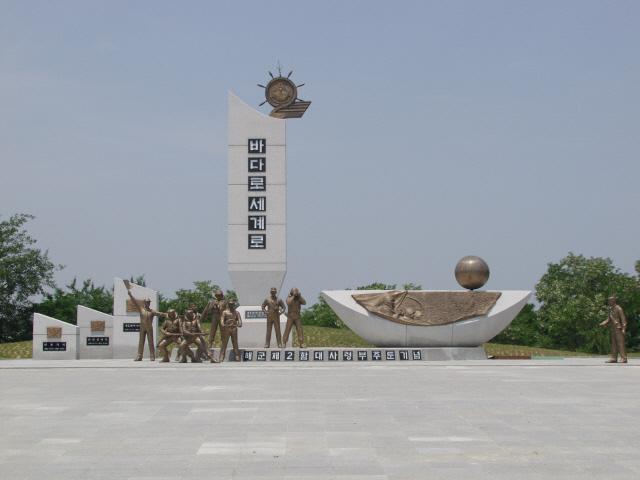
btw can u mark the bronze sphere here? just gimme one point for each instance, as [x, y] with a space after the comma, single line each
[472, 272]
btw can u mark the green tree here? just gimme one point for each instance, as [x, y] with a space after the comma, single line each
[61, 304]
[573, 295]
[524, 330]
[320, 314]
[200, 296]
[25, 271]
[376, 286]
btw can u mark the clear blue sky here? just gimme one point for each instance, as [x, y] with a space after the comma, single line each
[504, 129]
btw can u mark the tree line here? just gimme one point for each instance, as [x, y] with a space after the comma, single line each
[571, 297]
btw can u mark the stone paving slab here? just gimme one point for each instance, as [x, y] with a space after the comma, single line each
[118, 419]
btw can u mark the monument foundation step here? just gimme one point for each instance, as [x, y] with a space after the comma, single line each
[345, 354]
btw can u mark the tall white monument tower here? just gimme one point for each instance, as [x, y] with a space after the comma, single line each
[257, 216]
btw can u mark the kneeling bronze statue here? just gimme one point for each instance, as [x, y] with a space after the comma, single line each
[170, 334]
[192, 334]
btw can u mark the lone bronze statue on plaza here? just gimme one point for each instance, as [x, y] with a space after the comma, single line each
[215, 307]
[231, 321]
[192, 334]
[146, 323]
[294, 304]
[617, 323]
[170, 334]
[273, 307]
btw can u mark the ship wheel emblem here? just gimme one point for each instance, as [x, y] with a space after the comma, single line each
[282, 94]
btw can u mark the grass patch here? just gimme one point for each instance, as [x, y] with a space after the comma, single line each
[16, 349]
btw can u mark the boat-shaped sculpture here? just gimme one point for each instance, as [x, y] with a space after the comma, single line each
[426, 318]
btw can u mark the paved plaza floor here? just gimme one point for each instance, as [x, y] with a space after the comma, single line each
[116, 419]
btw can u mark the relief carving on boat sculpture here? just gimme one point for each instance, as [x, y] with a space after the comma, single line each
[427, 308]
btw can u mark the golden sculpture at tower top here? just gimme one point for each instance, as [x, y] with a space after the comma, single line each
[282, 94]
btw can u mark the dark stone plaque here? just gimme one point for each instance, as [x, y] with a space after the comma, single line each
[257, 241]
[257, 204]
[247, 356]
[253, 314]
[275, 356]
[347, 355]
[318, 355]
[390, 354]
[257, 164]
[257, 183]
[417, 354]
[54, 346]
[257, 145]
[363, 355]
[97, 341]
[131, 327]
[289, 356]
[376, 355]
[261, 356]
[303, 356]
[333, 355]
[404, 354]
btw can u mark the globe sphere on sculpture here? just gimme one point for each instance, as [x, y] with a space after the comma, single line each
[472, 272]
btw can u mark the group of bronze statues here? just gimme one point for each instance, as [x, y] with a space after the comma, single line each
[274, 307]
[185, 331]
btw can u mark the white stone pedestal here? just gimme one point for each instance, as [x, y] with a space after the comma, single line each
[54, 339]
[254, 330]
[126, 322]
[94, 342]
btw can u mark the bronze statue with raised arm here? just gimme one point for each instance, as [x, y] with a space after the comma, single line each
[146, 323]
[617, 323]
[273, 307]
[294, 303]
[170, 334]
[215, 307]
[231, 321]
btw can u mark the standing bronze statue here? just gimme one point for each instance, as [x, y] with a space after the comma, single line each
[192, 334]
[294, 304]
[231, 321]
[617, 323]
[170, 334]
[146, 323]
[215, 307]
[273, 307]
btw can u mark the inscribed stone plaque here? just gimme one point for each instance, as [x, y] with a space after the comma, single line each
[97, 341]
[130, 327]
[54, 332]
[253, 314]
[54, 346]
[131, 306]
[97, 325]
